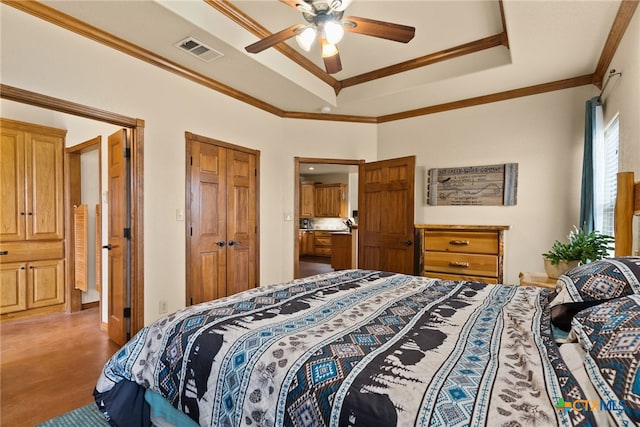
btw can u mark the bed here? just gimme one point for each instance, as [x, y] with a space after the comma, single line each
[373, 348]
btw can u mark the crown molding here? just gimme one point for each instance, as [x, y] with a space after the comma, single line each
[494, 97]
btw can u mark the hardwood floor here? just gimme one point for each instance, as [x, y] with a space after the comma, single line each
[308, 265]
[49, 365]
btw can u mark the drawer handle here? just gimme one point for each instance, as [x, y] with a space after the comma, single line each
[459, 264]
[459, 242]
[4, 252]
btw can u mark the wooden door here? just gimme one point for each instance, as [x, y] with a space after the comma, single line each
[222, 212]
[207, 263]
[43, 154]
[117, 242]
[12, 210]
[386, 201]
[241, 221]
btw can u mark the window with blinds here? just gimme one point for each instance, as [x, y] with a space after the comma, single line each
[607, 168]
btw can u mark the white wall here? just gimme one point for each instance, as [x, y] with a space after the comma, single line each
[89, 171]
[542, 133]
[67, 66]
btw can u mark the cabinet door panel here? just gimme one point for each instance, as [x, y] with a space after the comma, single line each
[46, 283]
[43, 155]
[307, 200]
[12, 210]
[13, 287]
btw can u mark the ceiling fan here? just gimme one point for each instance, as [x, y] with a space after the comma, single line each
[325, 24]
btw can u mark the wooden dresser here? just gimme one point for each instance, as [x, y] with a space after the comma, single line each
[460, 252]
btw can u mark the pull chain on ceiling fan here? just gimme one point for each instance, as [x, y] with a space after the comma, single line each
[326, 25]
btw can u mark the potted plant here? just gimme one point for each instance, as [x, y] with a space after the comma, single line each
[581, 248]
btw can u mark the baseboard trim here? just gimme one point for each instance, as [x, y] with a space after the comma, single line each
[87, 305]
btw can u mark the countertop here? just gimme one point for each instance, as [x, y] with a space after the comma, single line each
[326, 231]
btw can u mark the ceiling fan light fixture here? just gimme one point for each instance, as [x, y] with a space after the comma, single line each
[328, 49]
[333, 32]
[305, 38]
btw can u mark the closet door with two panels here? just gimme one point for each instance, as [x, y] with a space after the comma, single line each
[222, 232]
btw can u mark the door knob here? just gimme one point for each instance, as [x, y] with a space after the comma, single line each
[407, 242]
[234, 242]
[221, 243]
[107, 247]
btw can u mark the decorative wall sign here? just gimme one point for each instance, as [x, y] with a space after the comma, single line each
[492, 185]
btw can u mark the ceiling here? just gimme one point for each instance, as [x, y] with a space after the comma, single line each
[462, 50]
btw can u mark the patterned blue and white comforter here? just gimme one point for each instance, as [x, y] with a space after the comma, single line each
[356, 348]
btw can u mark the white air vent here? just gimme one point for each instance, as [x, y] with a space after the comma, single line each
[199, 49]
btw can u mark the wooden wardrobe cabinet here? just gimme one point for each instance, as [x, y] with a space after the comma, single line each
[32, 219]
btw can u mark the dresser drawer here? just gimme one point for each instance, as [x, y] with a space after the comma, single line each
[30, 251]
[471, 264]
[458, 277]
[323, 251]
[461, 241]
[322, 240]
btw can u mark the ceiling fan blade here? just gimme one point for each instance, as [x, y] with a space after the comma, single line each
[299, 5]
[274, 39]
[332, 63]
[381, 29]
[291, 3]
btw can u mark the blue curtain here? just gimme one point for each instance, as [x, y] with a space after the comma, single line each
[592, 125]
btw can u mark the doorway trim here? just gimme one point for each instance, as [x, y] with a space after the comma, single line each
[296, 198]
[137, 181]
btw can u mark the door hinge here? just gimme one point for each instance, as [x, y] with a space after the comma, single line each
[126, 233]
[127, 153]
[255, 172]
[256, 229]
[190, 231]
[191, 160]
[126, 313]
[190, 300]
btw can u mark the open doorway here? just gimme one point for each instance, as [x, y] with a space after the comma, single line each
[326, 215]
[73, 297]
[84, 253]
